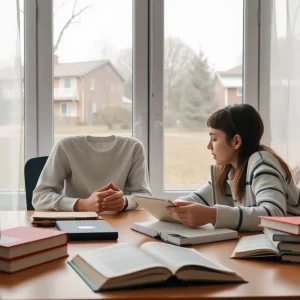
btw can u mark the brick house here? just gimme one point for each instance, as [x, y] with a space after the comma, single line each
[82, 89]
[229, 86]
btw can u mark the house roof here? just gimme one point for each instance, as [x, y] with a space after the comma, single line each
[236, 71]
[78, 69]
[232, 78]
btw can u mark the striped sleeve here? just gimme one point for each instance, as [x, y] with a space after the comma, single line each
[203, 196]
[267, 186]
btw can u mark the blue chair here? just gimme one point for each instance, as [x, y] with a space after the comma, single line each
[32, 171]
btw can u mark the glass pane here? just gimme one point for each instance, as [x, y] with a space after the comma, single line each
[92, 67]
[203, 55]
[11, 100]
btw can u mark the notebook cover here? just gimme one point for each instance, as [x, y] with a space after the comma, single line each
[88, 230]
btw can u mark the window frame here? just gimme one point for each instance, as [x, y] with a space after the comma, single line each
[250, 83]
[147, 48]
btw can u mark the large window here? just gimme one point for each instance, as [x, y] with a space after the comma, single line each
[92, 55]
[154, 70]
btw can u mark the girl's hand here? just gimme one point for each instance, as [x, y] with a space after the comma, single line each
[193, 214]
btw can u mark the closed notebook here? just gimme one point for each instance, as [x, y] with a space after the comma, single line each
[88, 229]
[286, 224]
[181, 235]
[23, 240]
[125, 265]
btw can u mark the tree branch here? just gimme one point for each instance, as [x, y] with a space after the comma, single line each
[68, 22]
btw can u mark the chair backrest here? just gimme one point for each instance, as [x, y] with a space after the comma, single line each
[32, 171]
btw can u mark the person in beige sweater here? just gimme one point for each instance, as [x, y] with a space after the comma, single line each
[249, 179]
[89, 173]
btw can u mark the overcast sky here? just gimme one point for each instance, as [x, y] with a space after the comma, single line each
[215, 26]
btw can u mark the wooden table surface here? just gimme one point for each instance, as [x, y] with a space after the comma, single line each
[57, 280]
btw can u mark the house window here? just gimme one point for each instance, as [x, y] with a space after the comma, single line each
[239, 92]
[68, 109]
[67, 82]
[91, 84]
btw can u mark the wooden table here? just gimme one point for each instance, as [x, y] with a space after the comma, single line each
[57, 280]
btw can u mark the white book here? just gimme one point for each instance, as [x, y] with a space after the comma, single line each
[124, 265]
[255, 246]
[181, 235]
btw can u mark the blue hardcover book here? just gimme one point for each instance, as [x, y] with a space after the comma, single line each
[279, 236]
[85, 230]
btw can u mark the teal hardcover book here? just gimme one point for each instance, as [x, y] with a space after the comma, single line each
[123, 265]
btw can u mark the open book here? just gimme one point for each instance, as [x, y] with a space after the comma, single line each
[124, 265]
[182, 235]
[255, 246]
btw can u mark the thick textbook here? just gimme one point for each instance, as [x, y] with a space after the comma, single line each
[23, 240]
[156, 207]
[280, 236]
[24, 262]
[255, 246]
[88, 230]
[286, 224]
[124, 265]
[182, 235]
[283, 246]
[49, 217]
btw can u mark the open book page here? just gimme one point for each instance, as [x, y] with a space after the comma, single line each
[184, 231]
[175, 257]
[119, 259]
[254, 245]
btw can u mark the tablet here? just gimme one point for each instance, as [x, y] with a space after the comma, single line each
[156, 207]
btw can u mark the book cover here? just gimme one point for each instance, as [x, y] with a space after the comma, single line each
[156, 207]
[286, 224]
[181, 235]
[88, 230]
[150, 264]
[23, 240]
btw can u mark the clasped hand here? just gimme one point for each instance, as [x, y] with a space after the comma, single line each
[192, 214]
[108, 198]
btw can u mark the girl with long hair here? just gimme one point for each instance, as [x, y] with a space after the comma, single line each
[248, 180]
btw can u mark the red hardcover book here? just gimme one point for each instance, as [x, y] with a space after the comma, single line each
[28, 261]
[20, 241]
[285, 224]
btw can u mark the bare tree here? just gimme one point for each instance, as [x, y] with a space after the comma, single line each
[71, 20]
[177, 58]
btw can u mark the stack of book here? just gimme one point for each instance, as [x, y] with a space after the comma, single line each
[23, 247]
[281, 238]
[284, 233]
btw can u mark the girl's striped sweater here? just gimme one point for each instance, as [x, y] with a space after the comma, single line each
[267, 193]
